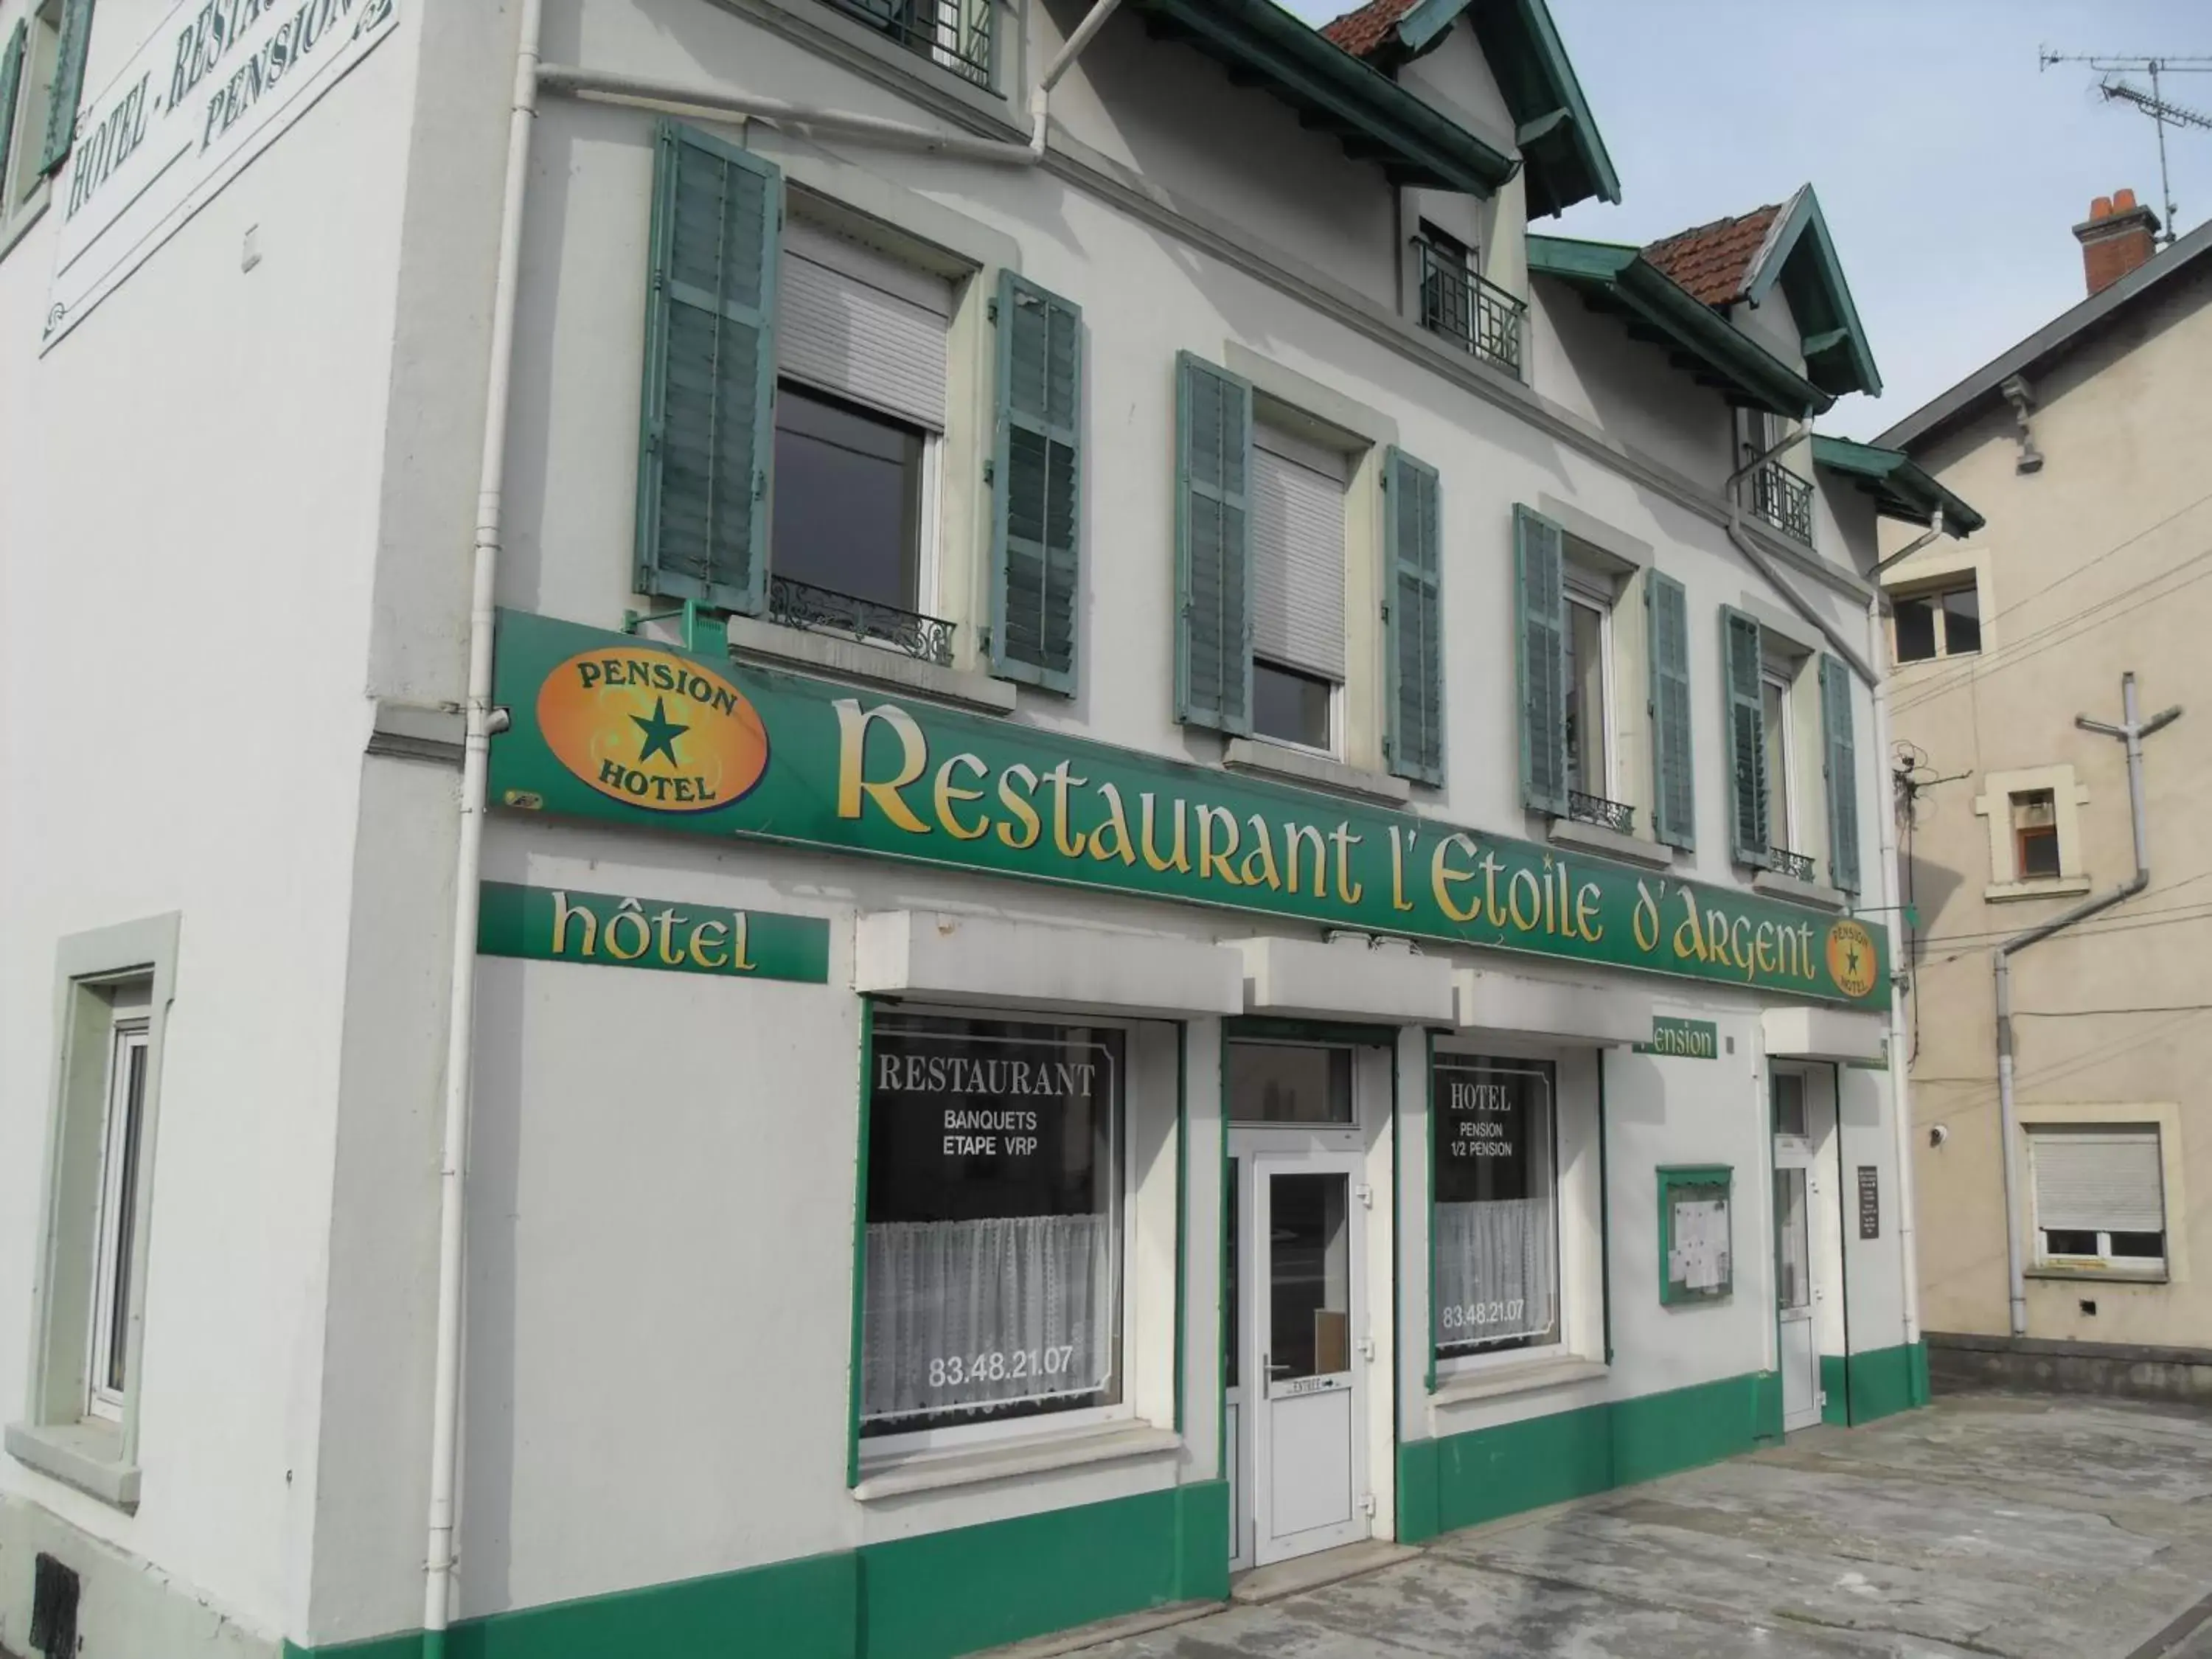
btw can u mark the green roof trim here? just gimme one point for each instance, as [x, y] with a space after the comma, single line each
[1656, 309]
[1900, 486]
[1801, 255]
[1371, 115]
[1563, 156]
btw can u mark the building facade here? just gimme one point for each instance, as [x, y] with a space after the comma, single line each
[963, 810]
[2087, 1254]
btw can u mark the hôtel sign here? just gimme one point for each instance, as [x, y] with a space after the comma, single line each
[216, 84]
[610, 727]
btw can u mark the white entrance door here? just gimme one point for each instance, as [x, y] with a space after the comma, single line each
[1796, 1289]
[1304, 1399]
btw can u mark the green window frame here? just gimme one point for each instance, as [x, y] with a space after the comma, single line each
[1694, 1183]
[1742, 649]
[1674, 776]
[11, 87]
[1036, 474]
[1213, 547]
[67, 85]
[1415, 618]
[706, 438]
[1539, 591]
[1840, 765]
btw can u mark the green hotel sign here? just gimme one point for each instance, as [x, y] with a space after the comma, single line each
[607, 930]
[610, 727]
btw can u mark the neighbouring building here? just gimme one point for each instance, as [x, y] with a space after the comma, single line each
[2084, 444]
[1133, 843]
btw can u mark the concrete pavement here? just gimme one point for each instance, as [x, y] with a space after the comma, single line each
[2025, 1528]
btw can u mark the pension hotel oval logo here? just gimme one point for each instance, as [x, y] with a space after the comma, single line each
[1852, 958]
[652, 729]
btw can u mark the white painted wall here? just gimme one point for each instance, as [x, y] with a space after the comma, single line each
[188, 508]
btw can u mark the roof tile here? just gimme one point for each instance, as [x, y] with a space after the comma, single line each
[1711, 261]
[1362, 33]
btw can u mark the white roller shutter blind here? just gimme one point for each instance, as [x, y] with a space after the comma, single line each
[854, 321]
[2097, 1180]
[1297, 553]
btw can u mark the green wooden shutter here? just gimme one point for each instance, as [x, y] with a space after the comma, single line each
[1213, 547]
[1841, 761]
[1673, 793]
[1416, 619]
[11, 85]
[1540, 566]
[1038, 480]
[708, 434]
[1747, 732]
[68, 83]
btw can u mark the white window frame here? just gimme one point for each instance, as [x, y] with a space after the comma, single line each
[2102, 1260]
[23, 194]
[1782, 827]
[121, 1169]
[1593, 592]
[1336, 747]
[881, 1450]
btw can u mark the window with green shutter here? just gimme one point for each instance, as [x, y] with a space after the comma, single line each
[1740, 649]
[1416, 620]
[1213, 547]
[1037, 477]
[68, 84]
[1841, 761]
[11, 85]
[707, 439]
[1540, 603]
[1674, 793]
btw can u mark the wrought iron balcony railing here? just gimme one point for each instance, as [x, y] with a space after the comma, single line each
[1606, 814]
[1477, 316]
[1784, 499]
[1796, 866]
[822, 610]
[955, 34]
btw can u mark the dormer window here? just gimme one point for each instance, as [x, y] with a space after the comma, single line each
[1477, 316]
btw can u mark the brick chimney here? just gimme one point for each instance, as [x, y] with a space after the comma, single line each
[2116, 237]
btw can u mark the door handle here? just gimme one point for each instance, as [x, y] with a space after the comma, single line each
[1267, 1365]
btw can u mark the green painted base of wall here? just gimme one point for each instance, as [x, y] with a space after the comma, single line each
[1835, 1390]
[1464, 1479]
[931, 1597]
[1887, 1380]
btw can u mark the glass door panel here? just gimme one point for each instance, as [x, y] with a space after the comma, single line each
[1308, 1281]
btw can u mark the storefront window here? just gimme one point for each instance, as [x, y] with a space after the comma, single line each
[993, 1283]
[1496, 1282]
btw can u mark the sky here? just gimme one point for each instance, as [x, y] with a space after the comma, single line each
[1950, 167]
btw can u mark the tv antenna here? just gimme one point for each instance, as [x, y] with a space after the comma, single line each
[2112, 65]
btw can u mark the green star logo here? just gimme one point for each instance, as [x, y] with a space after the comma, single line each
[660, 733]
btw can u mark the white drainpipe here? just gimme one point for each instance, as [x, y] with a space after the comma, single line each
[481, 720]
[1900, 1082]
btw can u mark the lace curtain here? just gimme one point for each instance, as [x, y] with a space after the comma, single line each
[986, 1313]
[1493, 1270]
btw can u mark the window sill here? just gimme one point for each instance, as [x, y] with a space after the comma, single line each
[1495, 1382]
[1595, 838]
[968, 1465]
[1296, 766]
[1803, 892]
[849, 660]
[2003, 892]
[2087, 1273]
[86, 1455]
[13, 230]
